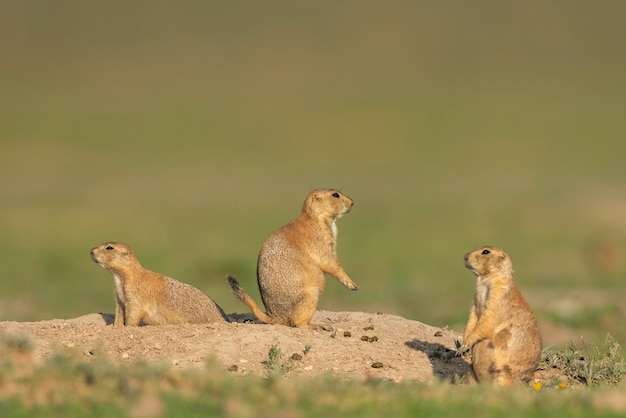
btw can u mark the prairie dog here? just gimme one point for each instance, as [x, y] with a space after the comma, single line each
[293, 261]
[501, 334]
[145, 296]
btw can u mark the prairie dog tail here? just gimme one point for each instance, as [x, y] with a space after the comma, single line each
[245, 298]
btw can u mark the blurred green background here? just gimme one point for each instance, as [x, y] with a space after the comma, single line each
[191, 130]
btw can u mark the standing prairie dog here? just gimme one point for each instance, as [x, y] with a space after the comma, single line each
[501, 334]
[293, 261]
[145, 296]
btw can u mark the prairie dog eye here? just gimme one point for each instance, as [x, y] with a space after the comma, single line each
[109, 248]
[335, 194]
[486, 252]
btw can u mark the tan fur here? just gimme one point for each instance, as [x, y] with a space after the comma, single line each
[145, 296]
[293, 261]
[501, 334]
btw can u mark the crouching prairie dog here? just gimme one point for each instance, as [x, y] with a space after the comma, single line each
[145, 296]
[293, 261]
[501, 334]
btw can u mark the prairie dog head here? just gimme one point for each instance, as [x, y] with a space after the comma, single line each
[489, 261]
[114, 256]
[327, 203]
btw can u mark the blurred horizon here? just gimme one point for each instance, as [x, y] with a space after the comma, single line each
[191, 131]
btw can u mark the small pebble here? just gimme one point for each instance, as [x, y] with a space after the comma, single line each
[296, 356]
[347, 334]
[377, 365]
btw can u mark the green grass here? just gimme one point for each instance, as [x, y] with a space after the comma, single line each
[66, 385]
[191, 133]
[590, 365]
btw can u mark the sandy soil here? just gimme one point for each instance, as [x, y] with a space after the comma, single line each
[354, 344]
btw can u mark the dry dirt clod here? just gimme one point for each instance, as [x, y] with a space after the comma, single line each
[369, 339]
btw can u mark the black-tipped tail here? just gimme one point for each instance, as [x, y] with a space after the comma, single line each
[237, 289]
[245, 298]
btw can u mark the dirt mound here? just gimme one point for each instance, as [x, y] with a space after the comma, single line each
[351, 344]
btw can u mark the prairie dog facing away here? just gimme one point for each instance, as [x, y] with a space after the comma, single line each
[144, 296]
[501, 334]
[293, 261]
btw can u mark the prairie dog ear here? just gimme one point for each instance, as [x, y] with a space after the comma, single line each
[316, 196]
